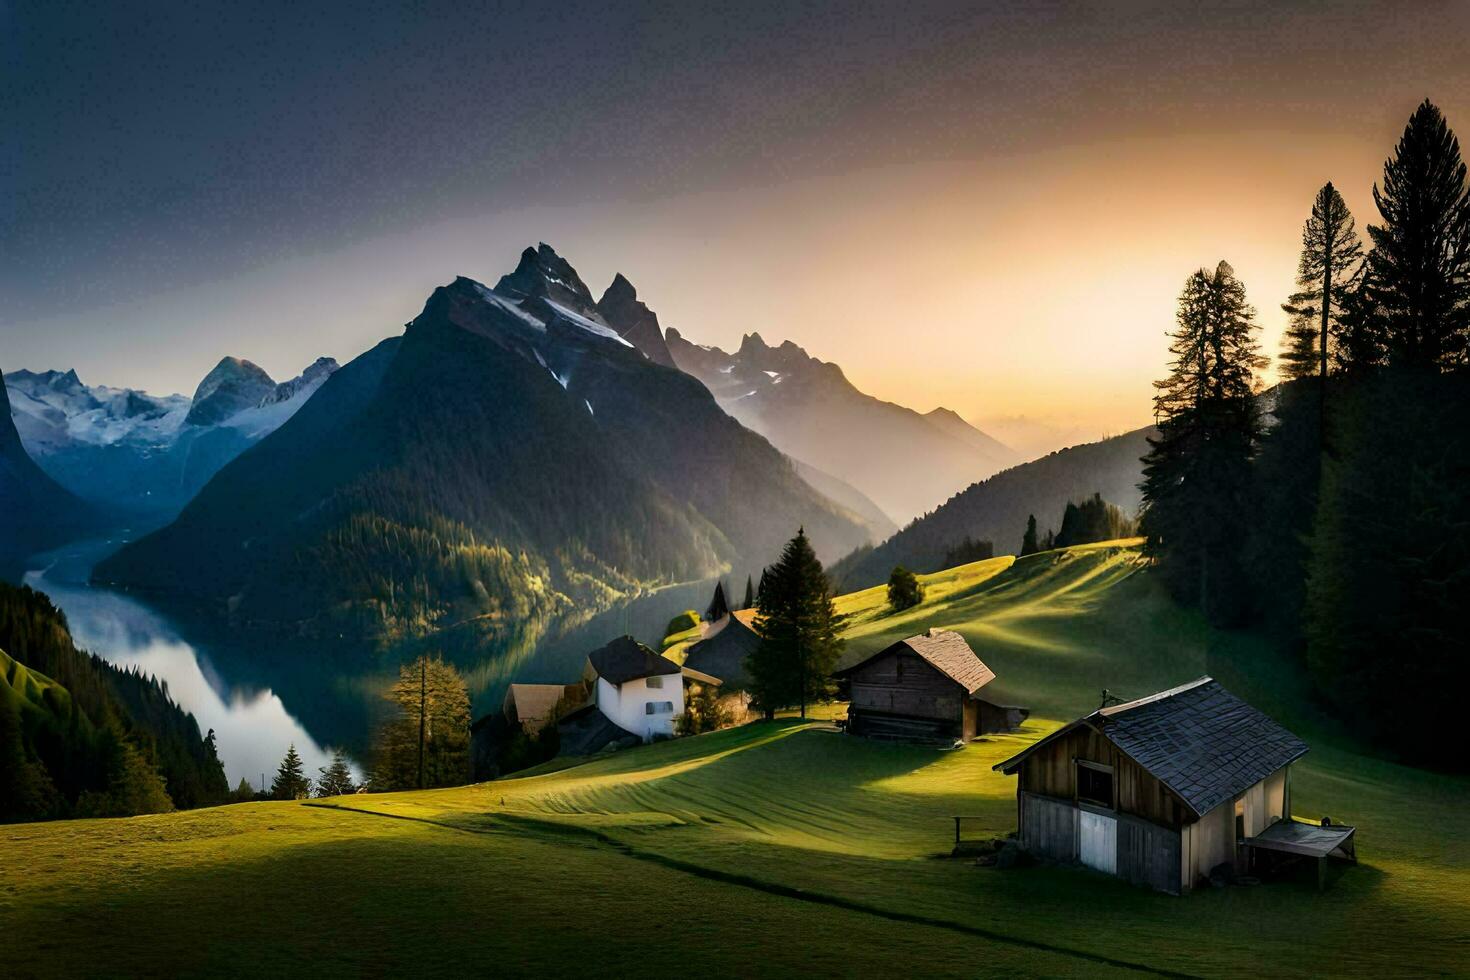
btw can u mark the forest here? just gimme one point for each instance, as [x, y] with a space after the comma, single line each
[1331, 512]
[81, 737]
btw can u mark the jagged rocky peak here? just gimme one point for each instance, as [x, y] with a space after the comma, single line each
[235, 384]
[634, 321]
[317, 372]
[542, 274]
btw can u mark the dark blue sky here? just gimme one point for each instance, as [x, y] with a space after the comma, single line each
[153, 148]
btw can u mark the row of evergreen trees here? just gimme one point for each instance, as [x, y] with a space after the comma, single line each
[1093, 519]
[98, 740]
[1340, 526]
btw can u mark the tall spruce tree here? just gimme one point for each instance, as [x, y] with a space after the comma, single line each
[749, 593]
[1329, 265]
[1029, 544]
[291, 782]
[798, 625]
[1386, 633]
[1420, 262]
[1197, 472]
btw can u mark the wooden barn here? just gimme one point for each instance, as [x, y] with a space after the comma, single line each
[1165, 790]
[925, 687]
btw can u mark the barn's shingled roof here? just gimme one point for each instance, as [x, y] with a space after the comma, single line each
[946, 651]
[625, 659]
[1202, 742]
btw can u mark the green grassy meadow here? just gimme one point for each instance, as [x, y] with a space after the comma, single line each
[777, 848]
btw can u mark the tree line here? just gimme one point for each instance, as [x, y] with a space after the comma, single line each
[1331, 511]
[81, 737]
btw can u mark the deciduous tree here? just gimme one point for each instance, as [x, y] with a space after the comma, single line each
[904, 589]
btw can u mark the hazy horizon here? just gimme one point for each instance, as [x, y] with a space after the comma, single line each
[991, 211]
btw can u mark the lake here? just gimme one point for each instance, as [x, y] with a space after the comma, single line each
[259, 697]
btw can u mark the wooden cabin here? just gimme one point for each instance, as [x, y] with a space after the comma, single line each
[925, 687]
[1160, 791]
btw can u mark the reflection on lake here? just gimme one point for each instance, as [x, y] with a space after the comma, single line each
[251, 725]
[261, 696]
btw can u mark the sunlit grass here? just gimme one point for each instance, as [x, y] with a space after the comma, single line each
[525, 868]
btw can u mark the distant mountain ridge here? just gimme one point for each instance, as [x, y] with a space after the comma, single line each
[906, 462]
[511, 456]
[996, 509]
[38, 513]
[147, 454]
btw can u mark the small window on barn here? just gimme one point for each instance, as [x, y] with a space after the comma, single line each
[656, 681]
[1094, 784]
[659, 708]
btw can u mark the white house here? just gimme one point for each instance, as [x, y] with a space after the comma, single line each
[635, 688]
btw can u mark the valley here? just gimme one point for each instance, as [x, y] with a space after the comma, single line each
[762, 831]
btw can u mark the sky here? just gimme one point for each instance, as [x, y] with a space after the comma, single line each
[986, 207]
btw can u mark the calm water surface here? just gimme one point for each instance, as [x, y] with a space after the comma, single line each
[259, 699]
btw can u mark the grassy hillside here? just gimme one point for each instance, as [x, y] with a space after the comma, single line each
[31, 690]
[996, 509]
[778, 846]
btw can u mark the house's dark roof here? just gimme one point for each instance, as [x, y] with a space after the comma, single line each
[947, 651]
[1198, 739]
[723, 653]
[625, 659]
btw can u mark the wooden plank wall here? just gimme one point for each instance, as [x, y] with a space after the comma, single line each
[1148, 854]
[919, 691]
[1049, 827]
[1050, 772]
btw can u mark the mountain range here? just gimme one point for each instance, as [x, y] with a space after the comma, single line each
[996, 509]
[513, 455]
[906, 462]
[38, 513]
[147, 455]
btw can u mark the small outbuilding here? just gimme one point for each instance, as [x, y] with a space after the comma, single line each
[534, 706]
[925, 687]
[1164, 791]
[725, 648]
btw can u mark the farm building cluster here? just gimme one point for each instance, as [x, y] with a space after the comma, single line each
[1184, 787]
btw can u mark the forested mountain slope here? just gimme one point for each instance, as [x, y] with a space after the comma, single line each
[996, 509]
[510, 457]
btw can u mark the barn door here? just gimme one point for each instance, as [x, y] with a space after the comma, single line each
[1098, 844]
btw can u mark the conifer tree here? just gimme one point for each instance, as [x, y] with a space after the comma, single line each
[1029, 544]
[336, 778]
[749, 594]
[718, 606]
[1197, 472]
[1329, 265]
[798, 625]
[427, 741]
[291, 782]
[1420, 262]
